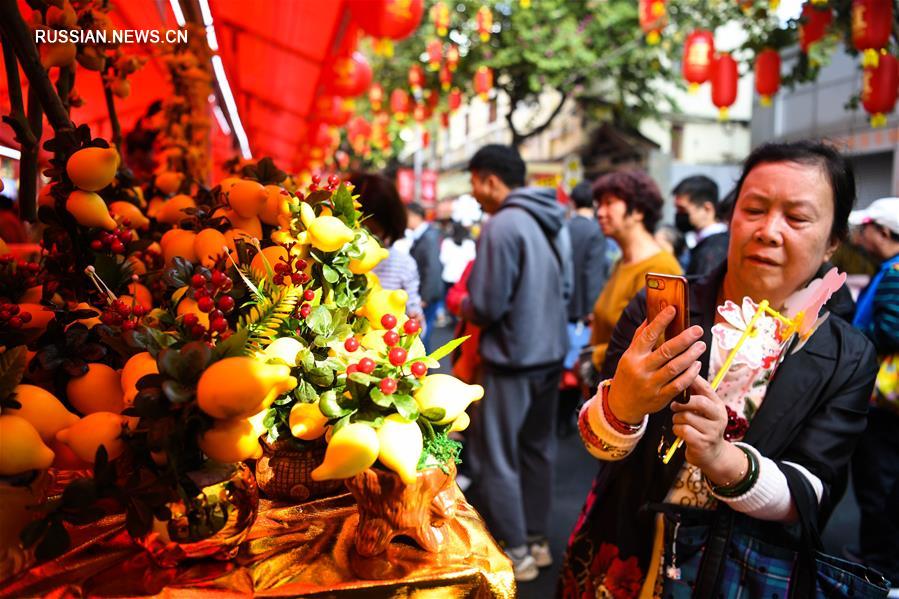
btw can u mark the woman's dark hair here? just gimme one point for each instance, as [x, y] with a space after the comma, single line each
[381, 202]
[503, 161]
[459, 233]
[835, 166]
[638, 191]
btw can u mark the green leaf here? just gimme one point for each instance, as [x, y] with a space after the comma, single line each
[380, 399]
[12, 367]
[321, 376]
[176, 392]
[319, 320]
[447, 348]
[362, 378]
[232, 347]
[327, 403]
[343, 205]
[434, 414]
[405, 406]
[330, 275]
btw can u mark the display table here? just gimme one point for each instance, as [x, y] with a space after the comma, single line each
[298, 550]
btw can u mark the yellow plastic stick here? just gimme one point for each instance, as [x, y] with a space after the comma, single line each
[750, 328]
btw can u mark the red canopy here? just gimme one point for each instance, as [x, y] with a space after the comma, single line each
[275, 56]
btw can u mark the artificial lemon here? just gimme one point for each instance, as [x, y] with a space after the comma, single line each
[178, 242]
[128, 212]
[231, 441]
[247, 198]
[374, 254]
[92, 169]
[351, 450]
[209, 245]
[88, 434]
[89, 210]
[22, 448]
[401, 445]
[98, 390]
[283, 348]
[328, 234]
[241, 386]
[172, 211]
[168, 182]
[137, 366]
[383, 301]
[42, 410]
[448, 393]
[307, 421]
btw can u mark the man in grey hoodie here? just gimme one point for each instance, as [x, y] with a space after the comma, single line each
[517, 293]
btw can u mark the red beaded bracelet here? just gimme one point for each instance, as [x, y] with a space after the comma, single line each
[617, 425]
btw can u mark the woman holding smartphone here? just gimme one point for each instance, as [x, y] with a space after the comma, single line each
[769, 449]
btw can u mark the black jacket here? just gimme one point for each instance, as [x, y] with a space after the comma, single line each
[814, 411]
[426, 251]
[708, 254]
[588, 250]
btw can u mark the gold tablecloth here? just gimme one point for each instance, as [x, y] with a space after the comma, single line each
[293, 551]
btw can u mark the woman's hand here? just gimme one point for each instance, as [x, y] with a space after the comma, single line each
[647, 379]
[701, 423]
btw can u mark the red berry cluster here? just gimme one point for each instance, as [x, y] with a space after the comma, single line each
[396, 355]
[122, 314]
[291, 272]
[12, 316]
[333, 182]
[25, 272]
[112, 242]
[211, 293]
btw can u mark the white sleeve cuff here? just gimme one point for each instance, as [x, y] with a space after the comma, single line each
[813, 480]
[601, 440]
[769, 498]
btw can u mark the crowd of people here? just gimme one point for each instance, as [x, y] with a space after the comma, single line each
[554, 293]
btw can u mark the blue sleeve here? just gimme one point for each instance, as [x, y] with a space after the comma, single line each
[884, 328]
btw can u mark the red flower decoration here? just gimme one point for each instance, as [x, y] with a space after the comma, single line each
[736, 426]
[622, 579]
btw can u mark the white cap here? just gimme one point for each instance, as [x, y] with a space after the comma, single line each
[884, 212]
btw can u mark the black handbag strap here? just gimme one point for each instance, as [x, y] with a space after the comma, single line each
[708, 578]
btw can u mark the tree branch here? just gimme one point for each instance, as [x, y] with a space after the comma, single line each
[113, 116]
[518, 138]
[14, 29]
[28, 142]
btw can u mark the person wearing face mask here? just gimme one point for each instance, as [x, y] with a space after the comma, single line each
[875, 465]
[696, 202]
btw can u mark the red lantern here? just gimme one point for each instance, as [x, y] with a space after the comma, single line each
[435, 54]
[399, 104]
[420, 112]
[483, 82]
[394, 19]
[376, 97]
[872, 22]
[767, 75]
[653, 18]
[334, 110]
[814, 23]
[724, 83]
[323, 141]
[879, 86]
[416, 77]
[452, 57]
[446, 78]
[445, 119]
[484, 20]
[699, 53]
[425, 138]
[441, 16]
[352, 75]
[455, 99]
[358, 132]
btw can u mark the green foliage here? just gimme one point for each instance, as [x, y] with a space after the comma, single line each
[265, 319]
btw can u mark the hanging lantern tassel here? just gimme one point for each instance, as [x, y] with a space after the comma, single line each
[767, 75]
[773, 5]
[879, 89]
[872, 22]
[724, 84]
[483, 82]
[484, 20]
[384, 47]
[525, 4]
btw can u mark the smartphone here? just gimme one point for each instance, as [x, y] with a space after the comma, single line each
[663, 291]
